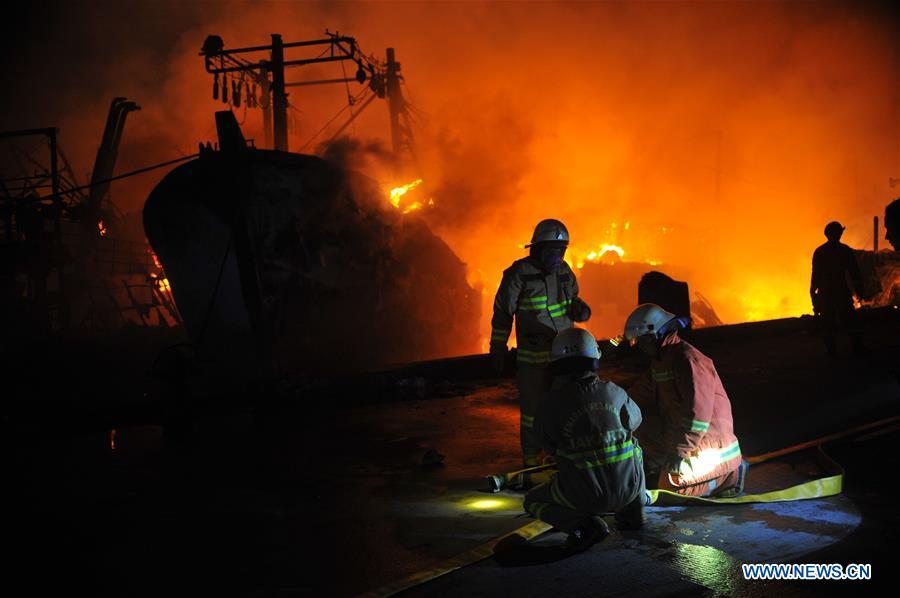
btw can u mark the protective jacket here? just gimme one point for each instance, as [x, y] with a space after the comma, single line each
[698, 429]
[541, 303]
[832, 263]
[588, 425]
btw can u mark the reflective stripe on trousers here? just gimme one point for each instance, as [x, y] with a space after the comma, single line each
[533, 384]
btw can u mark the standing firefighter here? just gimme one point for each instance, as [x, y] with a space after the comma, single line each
[541, 292]
[587, 424]
[832, 264]
[693, 450]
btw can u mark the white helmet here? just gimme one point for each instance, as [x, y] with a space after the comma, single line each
[647, 318]
[574, 342]
[549, 230]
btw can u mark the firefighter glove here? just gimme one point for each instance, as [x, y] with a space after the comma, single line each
[673, 465]
[579, 310]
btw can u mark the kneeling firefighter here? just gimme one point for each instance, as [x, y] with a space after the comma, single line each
[587, 425]
[541, 293]
[693, 449]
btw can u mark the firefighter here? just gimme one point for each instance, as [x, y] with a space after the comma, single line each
[587, 425]
[540, 292]
[832, 263]
[693, 449]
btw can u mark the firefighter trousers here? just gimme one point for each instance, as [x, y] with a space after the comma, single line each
[654, 465]
[839, 314]
[533, 384]
[548, 503]
[710, 488]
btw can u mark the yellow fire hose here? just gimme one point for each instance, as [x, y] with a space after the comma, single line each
[498, 482]
[819, 488]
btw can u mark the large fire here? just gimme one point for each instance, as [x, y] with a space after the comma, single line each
[602, 254]
[721, 137]
[612, 249]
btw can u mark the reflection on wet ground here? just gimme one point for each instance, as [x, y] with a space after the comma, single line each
[305, 498]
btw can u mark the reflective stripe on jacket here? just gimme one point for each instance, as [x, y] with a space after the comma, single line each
[698, 427]
[588, 424]
[539, 302]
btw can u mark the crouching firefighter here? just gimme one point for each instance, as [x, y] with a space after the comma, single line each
[541, 293]
[588, 425]
[689, 442]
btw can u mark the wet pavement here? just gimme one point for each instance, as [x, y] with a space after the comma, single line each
[700, 550]
[291, 494]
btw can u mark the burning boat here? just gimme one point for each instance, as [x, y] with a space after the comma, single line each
[303, 266]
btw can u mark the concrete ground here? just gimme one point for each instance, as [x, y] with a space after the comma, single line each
[284, 492]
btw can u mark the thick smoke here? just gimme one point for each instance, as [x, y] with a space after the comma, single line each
[355, 154]
[725, 134]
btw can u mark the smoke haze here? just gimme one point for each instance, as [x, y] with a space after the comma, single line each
[724, 134]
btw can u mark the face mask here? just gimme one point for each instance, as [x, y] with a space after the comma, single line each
[648, 345]
[552, 258]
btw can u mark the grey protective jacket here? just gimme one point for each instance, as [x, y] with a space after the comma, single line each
[588, 424]
[540, 302]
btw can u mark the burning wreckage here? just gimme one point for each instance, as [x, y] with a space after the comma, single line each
[300, 265]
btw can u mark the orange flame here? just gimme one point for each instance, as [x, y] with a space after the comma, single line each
[160, 280]
[597, 255]
[155, 259]
[398, 192]
[101, 226]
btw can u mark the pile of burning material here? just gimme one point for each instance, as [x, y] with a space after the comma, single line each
[611, 291]
[294, 260]
[614, 289]
[880, 272]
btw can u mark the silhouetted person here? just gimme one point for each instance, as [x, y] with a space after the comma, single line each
[833, 264]
[892, 223]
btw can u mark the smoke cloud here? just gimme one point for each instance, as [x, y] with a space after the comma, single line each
[715, 137]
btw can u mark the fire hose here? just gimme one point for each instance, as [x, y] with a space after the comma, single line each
[830, 485]
[498, 482]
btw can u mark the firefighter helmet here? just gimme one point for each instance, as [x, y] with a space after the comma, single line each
[549, 230]
[647, 318]
[574, 342]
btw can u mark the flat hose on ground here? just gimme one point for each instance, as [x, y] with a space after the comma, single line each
[819, 488]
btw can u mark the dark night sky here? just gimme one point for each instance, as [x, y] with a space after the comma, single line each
[57, 52]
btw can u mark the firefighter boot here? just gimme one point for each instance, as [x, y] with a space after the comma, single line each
[742, 476]
[589, 532]
[631, 518]
[739, 484]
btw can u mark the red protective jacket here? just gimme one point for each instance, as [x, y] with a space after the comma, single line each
[698, 428]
